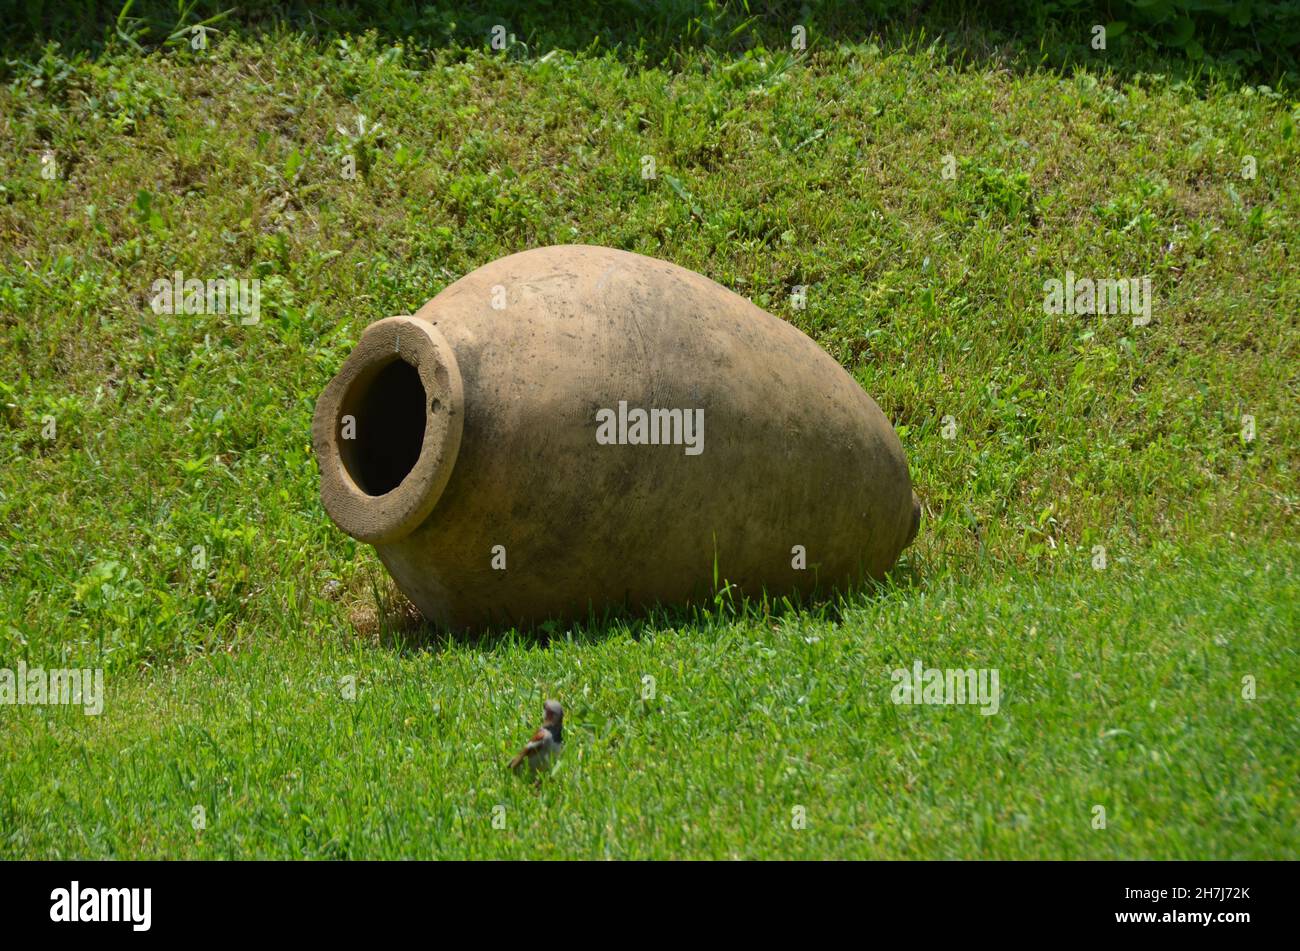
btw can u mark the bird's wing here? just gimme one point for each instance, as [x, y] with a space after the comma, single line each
[535, 742]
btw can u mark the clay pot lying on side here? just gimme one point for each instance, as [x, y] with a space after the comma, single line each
[573, 429]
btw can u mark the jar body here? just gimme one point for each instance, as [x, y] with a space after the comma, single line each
[629, 434]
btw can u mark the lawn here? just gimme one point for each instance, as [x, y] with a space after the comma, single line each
[1110, 508]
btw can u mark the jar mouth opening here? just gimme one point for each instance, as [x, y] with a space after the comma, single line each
[384, 413]
[387, 430]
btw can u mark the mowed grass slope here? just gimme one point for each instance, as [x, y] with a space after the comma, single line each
[1122, 687]
[764, 738]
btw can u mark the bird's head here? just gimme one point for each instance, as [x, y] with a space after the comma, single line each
[552, 713]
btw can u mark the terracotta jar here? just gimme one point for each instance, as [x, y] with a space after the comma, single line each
[576, 429]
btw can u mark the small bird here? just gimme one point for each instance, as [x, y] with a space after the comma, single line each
[544, 745]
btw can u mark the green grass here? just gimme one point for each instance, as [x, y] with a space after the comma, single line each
[178, 431]
[1120, 688]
